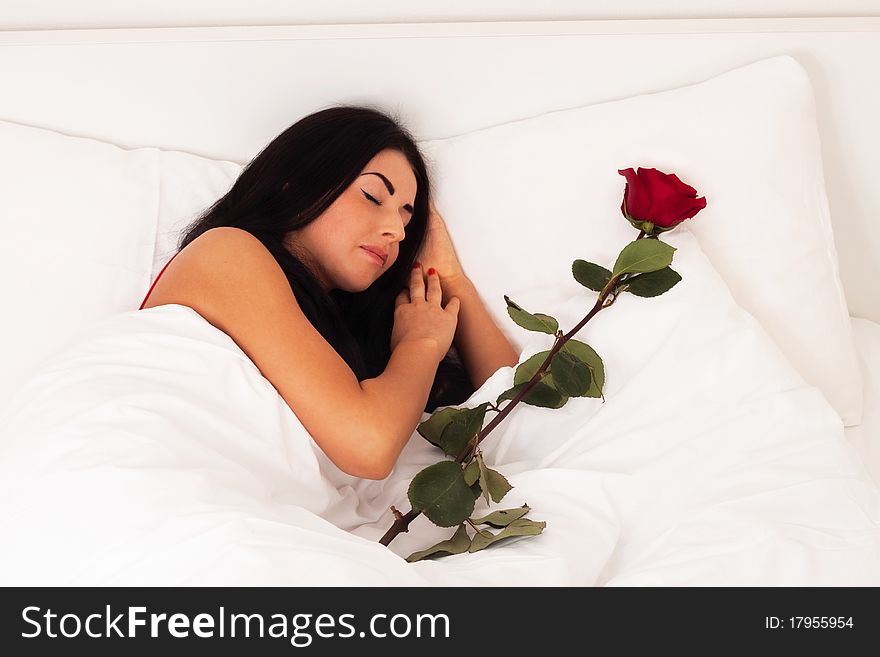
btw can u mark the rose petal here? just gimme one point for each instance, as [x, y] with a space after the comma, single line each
[673, 200]
[664, 197]
[638, 199]
[699, 204]
[683, 188]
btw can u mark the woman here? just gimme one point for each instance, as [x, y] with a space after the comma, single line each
[337, 210]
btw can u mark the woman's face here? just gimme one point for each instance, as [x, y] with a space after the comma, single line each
[369, 213]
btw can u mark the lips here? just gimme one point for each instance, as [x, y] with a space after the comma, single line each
[377, 251]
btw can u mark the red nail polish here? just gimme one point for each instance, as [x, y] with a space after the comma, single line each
[431, 271]
[416, 265]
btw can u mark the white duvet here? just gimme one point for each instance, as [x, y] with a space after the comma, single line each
[153, 452]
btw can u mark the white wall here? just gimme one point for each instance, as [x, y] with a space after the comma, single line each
[60, 14]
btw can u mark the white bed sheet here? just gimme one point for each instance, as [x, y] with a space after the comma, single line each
[866, 436]
[155, 452]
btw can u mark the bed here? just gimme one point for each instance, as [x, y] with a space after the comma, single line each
[121, 465]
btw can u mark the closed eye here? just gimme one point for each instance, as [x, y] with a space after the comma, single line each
[371, 198]
[378, 203]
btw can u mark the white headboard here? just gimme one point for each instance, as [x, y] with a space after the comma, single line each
[224, 92]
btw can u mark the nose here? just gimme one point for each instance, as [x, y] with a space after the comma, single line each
[394, 227]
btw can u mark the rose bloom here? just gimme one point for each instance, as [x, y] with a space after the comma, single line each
[654, 201]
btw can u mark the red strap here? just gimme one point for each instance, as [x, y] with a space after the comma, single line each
[156, 281]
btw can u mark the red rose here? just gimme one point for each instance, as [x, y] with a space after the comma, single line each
[654, 201]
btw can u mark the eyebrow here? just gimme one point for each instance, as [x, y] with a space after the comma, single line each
[389, 187]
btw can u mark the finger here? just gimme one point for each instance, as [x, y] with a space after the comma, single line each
[402, 297]
[453, 306]
[433, 294]
[417, 284]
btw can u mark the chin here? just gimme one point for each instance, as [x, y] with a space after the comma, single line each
[358, 281]
[358, 286]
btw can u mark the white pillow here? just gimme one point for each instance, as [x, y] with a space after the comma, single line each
[524, 199]
[189, 185]
[79, 220]
[88, 226]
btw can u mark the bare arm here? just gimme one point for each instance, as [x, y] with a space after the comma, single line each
[483, 346]
[399, 395]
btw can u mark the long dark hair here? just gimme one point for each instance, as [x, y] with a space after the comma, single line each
[289, 184]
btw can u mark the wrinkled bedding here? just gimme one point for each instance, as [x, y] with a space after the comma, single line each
[154, 452]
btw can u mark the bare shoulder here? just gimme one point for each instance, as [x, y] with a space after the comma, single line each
[225, 238]
[226, 251]
[216, 266]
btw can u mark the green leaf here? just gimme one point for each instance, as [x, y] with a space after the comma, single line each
[432, 428]
[642, 256]
[526, 370]
[502, 518]
[492, 482]
[571, 376]
[653, 283]
[531, 321]
[590, 275]
[461, 428]
[589, 356]
[498, 485]
[440, 492]
[484, 476]
[546, 393]
[471, 473]
[460, 542]
[520, 527]
[541, 394]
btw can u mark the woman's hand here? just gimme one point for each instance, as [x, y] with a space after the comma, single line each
[420, 317]
[438, 252]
